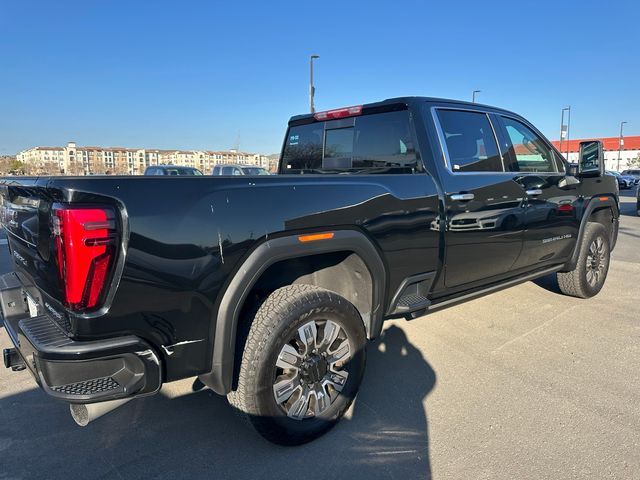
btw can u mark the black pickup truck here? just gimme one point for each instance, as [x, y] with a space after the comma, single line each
[267, 288]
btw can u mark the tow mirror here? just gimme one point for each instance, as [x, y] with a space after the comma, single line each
[591, 158]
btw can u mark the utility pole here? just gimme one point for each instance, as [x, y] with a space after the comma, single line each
[312, 89]
[620, 144]
[473, 95]
[568, 128]
[562, 131]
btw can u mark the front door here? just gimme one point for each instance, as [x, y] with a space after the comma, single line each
[552, 203]
[485, 206]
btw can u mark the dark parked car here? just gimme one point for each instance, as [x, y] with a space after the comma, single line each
[172, 170]
[624, 181]
[238, 170]
[633, 173]
[269, 288]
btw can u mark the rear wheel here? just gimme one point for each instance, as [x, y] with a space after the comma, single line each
[590, 273]
[302, 364]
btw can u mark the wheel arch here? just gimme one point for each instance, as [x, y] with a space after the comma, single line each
[285, 249]
[604, 210]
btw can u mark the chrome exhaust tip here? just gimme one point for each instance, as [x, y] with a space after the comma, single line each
[84, 414]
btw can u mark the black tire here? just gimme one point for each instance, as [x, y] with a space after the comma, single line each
[275, 325]
[590, 273]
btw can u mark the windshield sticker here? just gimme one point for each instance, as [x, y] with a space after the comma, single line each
[294, 139]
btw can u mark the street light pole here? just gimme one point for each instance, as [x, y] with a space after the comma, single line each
[312, 89]
[568, 128]
[620, 143]
[562, 129]
[473, 95]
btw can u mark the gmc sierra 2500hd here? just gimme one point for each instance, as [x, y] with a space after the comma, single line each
[268, 287]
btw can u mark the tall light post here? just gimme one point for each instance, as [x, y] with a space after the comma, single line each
[473, 95]
[562, 131]
[312, 89]
[620, 143]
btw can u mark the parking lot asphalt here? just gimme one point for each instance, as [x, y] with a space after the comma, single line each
[522, 384]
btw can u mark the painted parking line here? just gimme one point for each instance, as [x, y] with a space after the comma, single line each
[3, 241]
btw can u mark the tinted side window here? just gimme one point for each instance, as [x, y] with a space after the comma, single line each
[227, 170]
[366, 144]
[470, 141]
[530, 152]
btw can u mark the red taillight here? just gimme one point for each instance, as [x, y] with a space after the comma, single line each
[85, 243]
[565, 207]
[339, 113]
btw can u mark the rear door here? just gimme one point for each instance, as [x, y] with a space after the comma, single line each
[552, 219]
[484, 205]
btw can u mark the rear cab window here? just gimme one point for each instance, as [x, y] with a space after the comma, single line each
[469, 140]
[373, 143]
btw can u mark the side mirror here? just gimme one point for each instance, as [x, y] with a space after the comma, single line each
[591, 158]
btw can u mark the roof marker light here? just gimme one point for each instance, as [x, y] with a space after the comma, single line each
[338, 113]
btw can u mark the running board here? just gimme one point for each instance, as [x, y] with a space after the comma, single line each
[492, 289]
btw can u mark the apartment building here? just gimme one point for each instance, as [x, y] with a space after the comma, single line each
[87, 160]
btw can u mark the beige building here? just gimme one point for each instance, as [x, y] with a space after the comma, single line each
[75, 160]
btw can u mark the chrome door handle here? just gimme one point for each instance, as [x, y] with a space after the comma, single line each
[534, 192]
[462, 197]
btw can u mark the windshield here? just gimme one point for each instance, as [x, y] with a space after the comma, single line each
[254, 171]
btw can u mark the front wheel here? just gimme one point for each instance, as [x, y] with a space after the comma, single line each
[303, 361]
[590, 273]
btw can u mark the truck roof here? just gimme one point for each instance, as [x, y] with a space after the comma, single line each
[408, 101]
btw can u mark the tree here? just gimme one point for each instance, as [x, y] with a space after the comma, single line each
[50, 169]
[75, 168]
[120, 168]
[634, 162]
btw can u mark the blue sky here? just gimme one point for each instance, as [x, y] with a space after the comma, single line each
[201, 74]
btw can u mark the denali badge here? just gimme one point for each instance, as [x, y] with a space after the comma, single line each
[559, 237]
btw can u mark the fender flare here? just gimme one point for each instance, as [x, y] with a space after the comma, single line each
[595, 203]
[220, 378]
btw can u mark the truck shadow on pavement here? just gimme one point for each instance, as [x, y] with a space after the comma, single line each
[197, 434]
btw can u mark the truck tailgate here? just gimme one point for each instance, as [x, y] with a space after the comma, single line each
[63, 252]
[25, 210]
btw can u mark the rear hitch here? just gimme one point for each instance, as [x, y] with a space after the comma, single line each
[13, 360]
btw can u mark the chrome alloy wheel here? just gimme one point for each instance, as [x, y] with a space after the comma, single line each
[309, 369]
[596, 261]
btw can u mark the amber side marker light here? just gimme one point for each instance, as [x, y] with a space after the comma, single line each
[604, 198]
[315, 236]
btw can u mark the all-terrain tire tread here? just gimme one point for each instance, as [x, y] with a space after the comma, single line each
[574, 283]
[260, 332]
